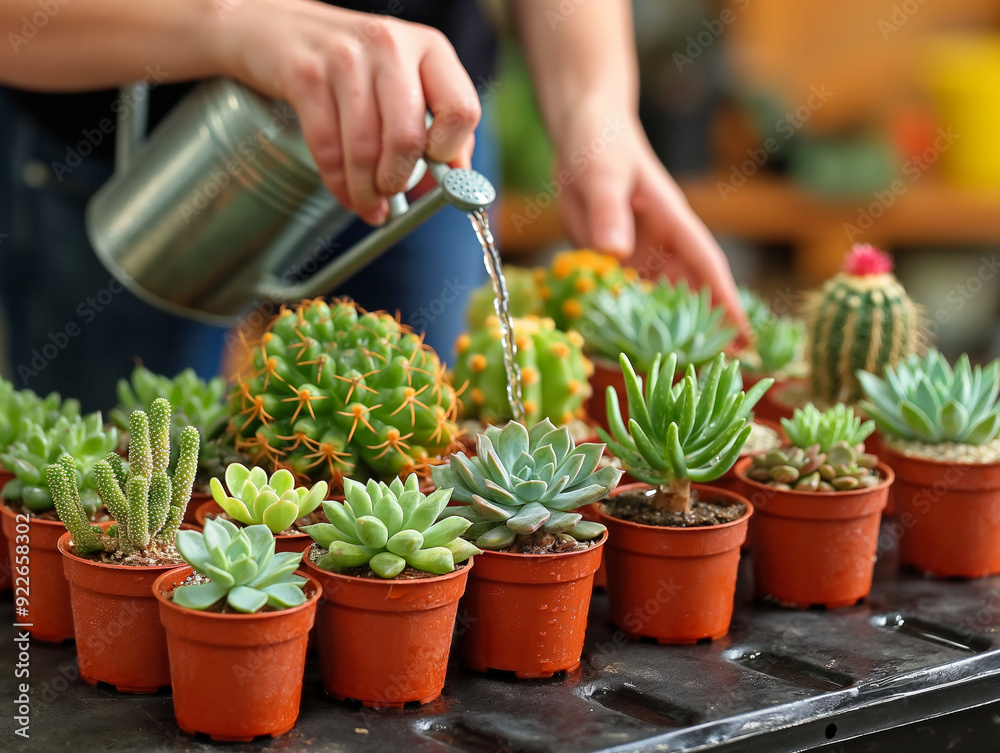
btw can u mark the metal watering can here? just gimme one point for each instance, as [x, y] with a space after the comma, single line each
[203, 218]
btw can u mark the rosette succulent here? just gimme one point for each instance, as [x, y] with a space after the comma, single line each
[693, 430]
[242, 568]
[255, 499]
[83, 438]
[923, 399]
[195, 402]
[527, 483]
[779, 341]
[642, 322]
[810, 426]
[22, 409]
[388, 527]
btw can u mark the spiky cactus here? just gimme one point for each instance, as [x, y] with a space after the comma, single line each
[575, 276]
[83, 438]
[525, 485]
[859, 319]
[643, 321]
[388, 527]
[523, 289]
[145, 502]
[333, 391]
[255, 499]
[693, 430]
[554, 372]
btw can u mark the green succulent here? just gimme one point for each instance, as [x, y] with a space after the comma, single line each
[523, 482]
[923, 400]
[810, 426]
[20, 410]
[242, 568]
[83, 438]
[693, 430]
[664, 318]
[146, 503]
[779, 341]
[258, 500]
[390, 527]
[840, 468]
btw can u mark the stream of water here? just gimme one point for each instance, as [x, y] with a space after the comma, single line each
[501, 304]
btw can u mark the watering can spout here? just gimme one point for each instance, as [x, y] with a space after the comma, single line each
[208, 216]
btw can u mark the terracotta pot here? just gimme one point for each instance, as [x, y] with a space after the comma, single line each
[5, 560]
[527, 613]
[815, 548]
[50, 615]
[191, 511]
[119, 638]
[729, 481]
[283, 542]
[385, 643]
[947, 515]
[592, 513]
[876, 446]
[235, 676]
[675, 585]
[606, 374]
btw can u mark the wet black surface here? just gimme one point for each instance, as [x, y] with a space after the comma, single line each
[915, 668]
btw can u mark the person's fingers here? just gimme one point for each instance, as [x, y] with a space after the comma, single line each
[452, 99]
[361, 133]
[401, 109]
[605, 196]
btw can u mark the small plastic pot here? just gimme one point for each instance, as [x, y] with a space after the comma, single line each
[191, 511]
[729, 481]
[675, 585]
[385, 643]
[50, 615]
[119, 638]
[606, 374]
[947, 515]
[527, 613]
[815, 548]
[235, 676]
[5, 560]
[283, 542]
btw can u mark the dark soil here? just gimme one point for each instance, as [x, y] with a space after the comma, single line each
[635, 507]
[408, 573]
[545, 543]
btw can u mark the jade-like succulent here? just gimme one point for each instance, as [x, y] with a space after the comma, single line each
[390, 527]
[778, 340]
[331, 390]
[573, 278]
[809, 426]
[642, 322]
[527, 483]
[841, 468]
[83, 438]
[242, 568]
[523, 291]
[20, 410]
[255, 499]
[693, 430]
[195, 402]
[922, 399]
[554, 372]
[860, 319]
[145, 502]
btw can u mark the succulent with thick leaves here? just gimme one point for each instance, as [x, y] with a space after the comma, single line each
[195, 402]
[255, 499]
[525, 483]
[554, 372]
[146, 503]
[20, 410]
[83, 438]
[693, 430]
[242, 568]
[390, 527]
[573, 278]
[840, 468]
[334, 391]
[642, 322]
[523, 290]
[779, 341]
[809, 426]
[923, 399]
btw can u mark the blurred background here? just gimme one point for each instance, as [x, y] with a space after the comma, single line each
[799, 128]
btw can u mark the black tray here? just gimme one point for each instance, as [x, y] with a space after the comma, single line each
[782, 680]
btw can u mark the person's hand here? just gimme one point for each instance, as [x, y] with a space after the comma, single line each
[361, 84]
[619, 199]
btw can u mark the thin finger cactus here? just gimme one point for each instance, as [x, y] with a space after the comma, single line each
[146, 503]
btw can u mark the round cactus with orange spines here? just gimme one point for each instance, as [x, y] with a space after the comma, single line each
[331, 391]
[554, 372]
[573, 277]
